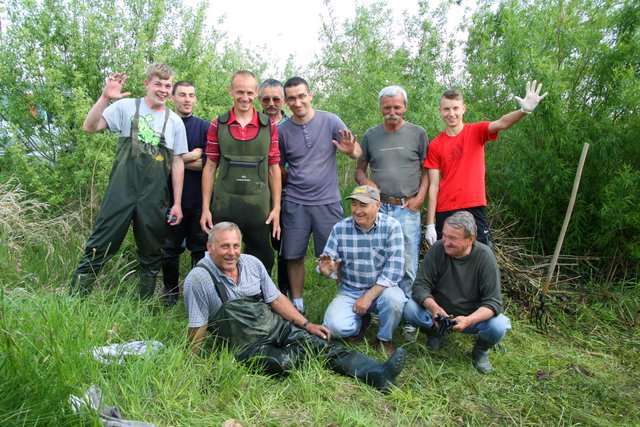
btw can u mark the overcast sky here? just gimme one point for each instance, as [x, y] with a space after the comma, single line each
[288, 27]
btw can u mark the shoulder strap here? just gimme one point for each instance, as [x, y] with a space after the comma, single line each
[134, 130]
[219, 287]
[166, 119]
[223, 118]
[264, 119]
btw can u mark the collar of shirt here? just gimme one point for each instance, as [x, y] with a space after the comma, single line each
[224, 277]
[374, 225]
[254, 121]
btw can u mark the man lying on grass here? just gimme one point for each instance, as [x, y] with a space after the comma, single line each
[232, 295]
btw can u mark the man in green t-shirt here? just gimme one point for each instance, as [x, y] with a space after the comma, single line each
[459, 278]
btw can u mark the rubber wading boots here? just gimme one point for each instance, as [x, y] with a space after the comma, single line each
[170, 278]
[82, 284]
[379, 375]
[434, 340]
[480, 356]
[147, 286]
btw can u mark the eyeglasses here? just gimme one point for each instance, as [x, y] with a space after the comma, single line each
[268, 99]
[293, 99]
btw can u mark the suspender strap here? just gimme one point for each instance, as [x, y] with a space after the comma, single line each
[219, 287]
[134, 130]
[166, 119]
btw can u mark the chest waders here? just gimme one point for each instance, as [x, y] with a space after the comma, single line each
[241, 192]
[138, 193]
[272, 345]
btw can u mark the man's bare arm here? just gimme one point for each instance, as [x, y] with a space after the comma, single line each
[283, 307]
[415, 203]
[177, 180]
[94, 122]
[208, 180]
[527, 105]
[434, 188]
[361, 174]
[275, 186]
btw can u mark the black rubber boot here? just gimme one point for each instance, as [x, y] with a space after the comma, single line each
[480, 356]
[434, 340]
[170, 278]
[82, 284]
[147, 286]
[379, 375]
[195, 257]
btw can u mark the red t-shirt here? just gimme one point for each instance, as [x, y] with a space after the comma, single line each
[460, 160]
[250, 131]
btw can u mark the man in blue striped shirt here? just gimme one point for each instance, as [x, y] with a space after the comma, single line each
[365, 252]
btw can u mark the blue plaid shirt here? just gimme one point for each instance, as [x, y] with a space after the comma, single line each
[368, 257]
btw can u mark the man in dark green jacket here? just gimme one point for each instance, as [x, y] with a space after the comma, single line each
[459, 278]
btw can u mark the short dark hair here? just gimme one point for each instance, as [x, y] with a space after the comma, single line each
[452, 94]
[182, 83]
[296, 81]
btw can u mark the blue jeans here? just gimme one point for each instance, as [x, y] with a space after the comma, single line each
[342, 321]
[411, 229]
[491, 331]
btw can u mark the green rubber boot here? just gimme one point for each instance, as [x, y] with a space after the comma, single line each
[82, 284]
[147, 286]
[480, 356]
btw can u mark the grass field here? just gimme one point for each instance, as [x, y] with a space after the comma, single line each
[584, 371]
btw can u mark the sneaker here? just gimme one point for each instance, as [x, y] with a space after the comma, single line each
[409, 332]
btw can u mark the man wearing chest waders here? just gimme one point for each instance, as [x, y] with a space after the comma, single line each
[152, 141]
[242, 147]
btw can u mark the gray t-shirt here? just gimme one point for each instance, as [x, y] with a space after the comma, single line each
[395, 158]
[119, 117]
[202, 301]
[311, 156]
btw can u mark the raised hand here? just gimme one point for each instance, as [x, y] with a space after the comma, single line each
[347, 142]
[532, 97]
[113, 86]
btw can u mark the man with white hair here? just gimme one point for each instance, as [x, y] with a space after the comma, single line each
[394, 152]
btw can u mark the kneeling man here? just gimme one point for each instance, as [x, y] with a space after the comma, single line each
[459, 277]
[231, 294]
[366, 251]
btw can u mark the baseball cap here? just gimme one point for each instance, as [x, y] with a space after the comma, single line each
[365, 194]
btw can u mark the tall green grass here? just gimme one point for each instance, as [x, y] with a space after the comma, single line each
[583, 372]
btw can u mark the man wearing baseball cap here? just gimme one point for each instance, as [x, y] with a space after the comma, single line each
[365, 253]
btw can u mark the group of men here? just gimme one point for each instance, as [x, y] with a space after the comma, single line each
[271, 181]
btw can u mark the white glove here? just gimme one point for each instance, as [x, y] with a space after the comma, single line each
[430, 234]
[533, 97]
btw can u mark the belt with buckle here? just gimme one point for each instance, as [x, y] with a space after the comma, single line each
[398, 201]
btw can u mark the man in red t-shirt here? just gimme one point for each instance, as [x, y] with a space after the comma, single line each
[455, 160]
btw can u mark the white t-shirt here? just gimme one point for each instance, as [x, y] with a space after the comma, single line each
[119, 117]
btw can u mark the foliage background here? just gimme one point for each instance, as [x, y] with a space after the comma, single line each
[54, 56]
